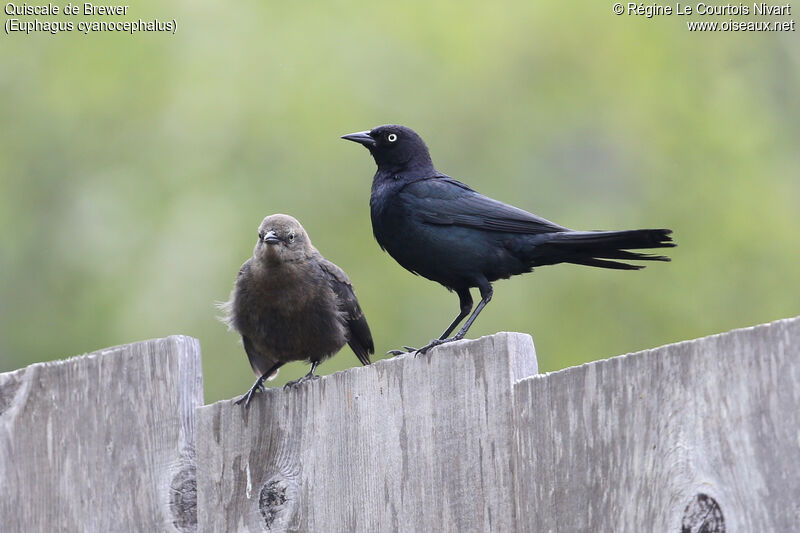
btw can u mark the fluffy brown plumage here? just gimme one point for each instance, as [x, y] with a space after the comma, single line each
[291, 304]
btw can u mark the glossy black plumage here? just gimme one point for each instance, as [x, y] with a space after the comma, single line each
[443, 230]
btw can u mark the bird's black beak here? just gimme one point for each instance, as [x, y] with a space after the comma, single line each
[360, 137]
[271, 238]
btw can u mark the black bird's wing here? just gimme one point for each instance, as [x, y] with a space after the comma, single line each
[441, 200]
[360, 338]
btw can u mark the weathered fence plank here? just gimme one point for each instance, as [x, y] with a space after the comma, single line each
[409, 444]
[102, 442]
[702, 435]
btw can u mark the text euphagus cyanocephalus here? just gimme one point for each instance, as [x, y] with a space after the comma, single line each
[441, 229]
[291, 304]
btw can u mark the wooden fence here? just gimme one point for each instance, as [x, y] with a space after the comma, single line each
[699, 436]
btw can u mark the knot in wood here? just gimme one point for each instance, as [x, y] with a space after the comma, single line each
[703, 515]
[274, 501]
[183, 495]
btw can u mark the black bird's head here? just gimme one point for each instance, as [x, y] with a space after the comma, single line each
[281, 238]
[395, 148]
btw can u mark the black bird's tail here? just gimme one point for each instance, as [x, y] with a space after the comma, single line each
[597, 248]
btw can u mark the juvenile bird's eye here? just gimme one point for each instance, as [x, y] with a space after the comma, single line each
[291, 237]
[391, 137]
[261, 235]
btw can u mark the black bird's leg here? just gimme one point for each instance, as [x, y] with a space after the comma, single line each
[257, 386]
[465, 301]
[310, 375]
[486, 295]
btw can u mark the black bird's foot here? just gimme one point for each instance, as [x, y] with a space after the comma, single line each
[408, 349]
[433, 344]
[424, 349]
[249, 396]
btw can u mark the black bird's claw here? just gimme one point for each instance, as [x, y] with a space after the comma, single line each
[408, 349]
[432, 344]
[419, 351]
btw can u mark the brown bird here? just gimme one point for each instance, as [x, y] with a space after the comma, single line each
[291, 304]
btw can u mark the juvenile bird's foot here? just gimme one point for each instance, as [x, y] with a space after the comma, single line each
[249, 396]
[258, 385]
[408, 349]
[310, 375]
[296, 382]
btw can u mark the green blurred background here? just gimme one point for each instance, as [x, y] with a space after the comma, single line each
[134, 170]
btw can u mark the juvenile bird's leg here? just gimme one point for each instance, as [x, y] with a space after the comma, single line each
[486, 295]
[257, 386]
[310, 375]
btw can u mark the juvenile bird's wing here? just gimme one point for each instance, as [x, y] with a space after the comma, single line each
[226, 307]
[258, 361]
[360, 338]
[441, 200]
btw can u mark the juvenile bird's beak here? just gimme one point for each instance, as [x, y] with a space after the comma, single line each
[271, 238]
[360, 137]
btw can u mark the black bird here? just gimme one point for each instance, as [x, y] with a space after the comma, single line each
[291, 304]
[443, 230]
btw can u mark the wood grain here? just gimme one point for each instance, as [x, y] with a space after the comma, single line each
[102, 442]
[409, 444]
[702, 435]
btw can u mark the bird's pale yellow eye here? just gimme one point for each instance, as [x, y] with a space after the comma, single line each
[391, 137]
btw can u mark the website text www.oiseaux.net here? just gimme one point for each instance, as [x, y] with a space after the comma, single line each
[756, 10]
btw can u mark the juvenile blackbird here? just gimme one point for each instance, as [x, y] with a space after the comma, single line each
[291, 304]
[443, 230]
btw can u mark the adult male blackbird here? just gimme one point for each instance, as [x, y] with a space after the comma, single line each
[443, 230]
[291, 304]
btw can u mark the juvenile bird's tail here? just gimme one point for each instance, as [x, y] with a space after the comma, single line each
[599, 248]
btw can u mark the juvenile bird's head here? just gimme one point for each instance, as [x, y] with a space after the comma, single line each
[281, 239]
[396, 149]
